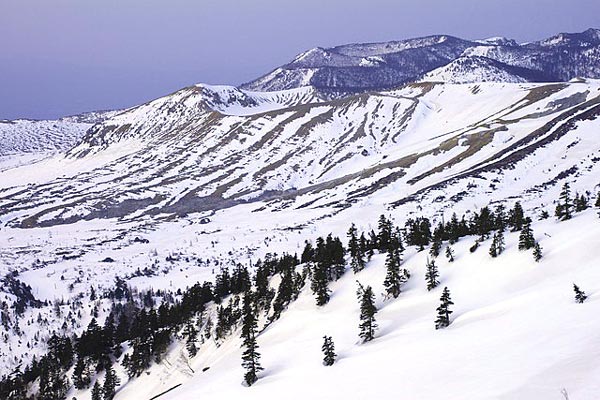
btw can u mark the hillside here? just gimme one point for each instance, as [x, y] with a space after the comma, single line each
[144, 240]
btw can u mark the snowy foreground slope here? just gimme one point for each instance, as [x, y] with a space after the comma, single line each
[516, 333]
[164, 194]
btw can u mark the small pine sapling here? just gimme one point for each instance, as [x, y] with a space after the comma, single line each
[537, 252]
[450, 254]
[443, 318]
[580, 295]
[328, 349]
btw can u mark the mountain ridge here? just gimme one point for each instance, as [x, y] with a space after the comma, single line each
[382, 65]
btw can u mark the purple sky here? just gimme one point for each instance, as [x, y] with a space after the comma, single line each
[62, 57]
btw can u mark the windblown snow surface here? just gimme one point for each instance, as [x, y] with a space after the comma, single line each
[270, 171]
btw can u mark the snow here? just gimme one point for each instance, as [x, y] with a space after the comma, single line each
[516, 332]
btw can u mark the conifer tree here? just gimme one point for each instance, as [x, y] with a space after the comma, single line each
[285, 292]
[385, 233]
[497, 246]
[581, 202]
[443, 318]
[526, 239]
[250, 356]
[319, 283]
[436, 246]
[393, 279]
[191, 333]
[208, 327]
[328, 351]
[111, 381]
[580, 295]
[308, 254]
[431, 275]
[97, 391]
[453, 229]
[357, 260]
[449, 254]
[516, 217]
[563, 209]
[81, 374]
[537, 252]
[598, 200]
[368, 310]
[500, 218]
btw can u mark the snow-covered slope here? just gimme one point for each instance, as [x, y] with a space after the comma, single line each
[516, 333]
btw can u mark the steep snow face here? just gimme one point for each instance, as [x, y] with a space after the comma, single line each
[390, 64]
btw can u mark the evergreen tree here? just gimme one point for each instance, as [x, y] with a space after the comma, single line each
[580, 295]
[385, 233]
[285, 292]
[319, 283]
[190, 333]
[499, 218]
[526, 239]
[308, 254]
[537, 252]
[516, 217]
[357, 260]
[393, 278]
[97, 391]
[443, 318]
[222, 283]
[581, 202]
[493, 251]
[453, 229]
[250, 356]
[368, 310]
[449, 254]
[483, 223]
[264, 293]
[418, 232]
[81, 374]
[436, 246]
[497, 246]
[111, 381]
[431, 275]
[544, 215]
[598, 200]
[563, 209]
[328, 351]
[53, 384]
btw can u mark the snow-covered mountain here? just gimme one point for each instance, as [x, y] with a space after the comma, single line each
[139, 209]
[377, 66]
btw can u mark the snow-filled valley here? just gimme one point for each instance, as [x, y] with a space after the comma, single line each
[121, 218]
